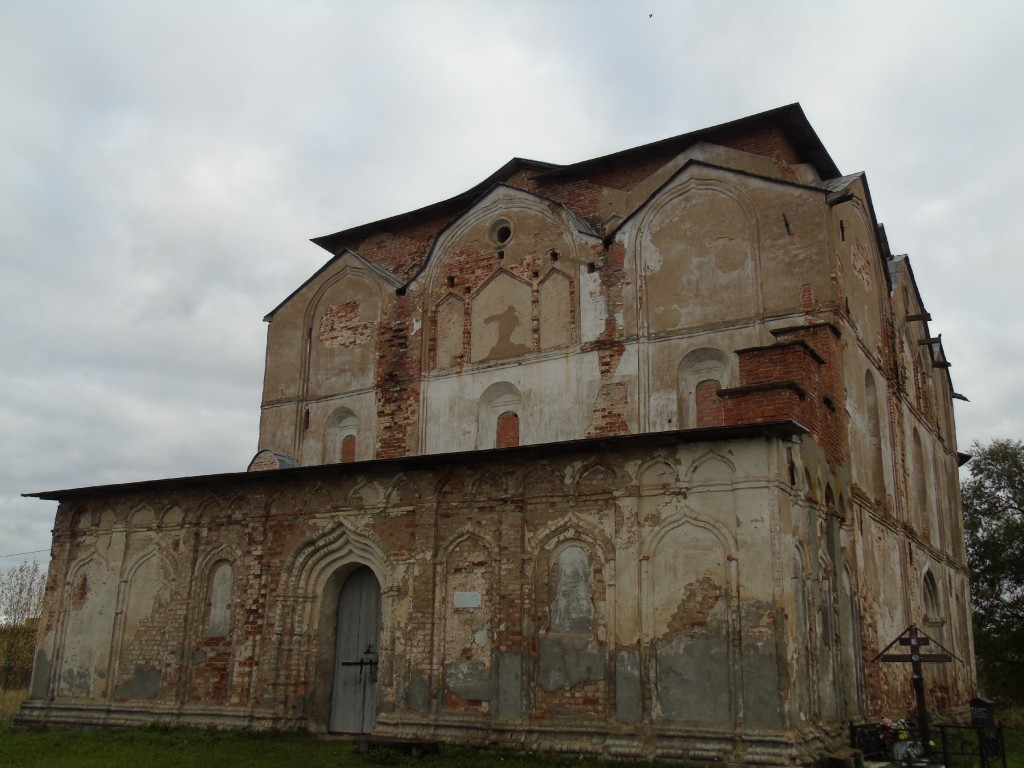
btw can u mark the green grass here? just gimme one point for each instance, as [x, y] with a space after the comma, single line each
[194, 748]
[157, 747]
[1014, 748]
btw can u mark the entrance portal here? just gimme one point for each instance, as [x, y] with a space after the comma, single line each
[354, 696]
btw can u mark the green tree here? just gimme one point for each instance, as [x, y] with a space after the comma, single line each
[21, 595]
[993, 499]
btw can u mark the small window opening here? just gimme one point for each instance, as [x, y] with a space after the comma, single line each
[553, 255]
[451, 281]
[221, 582]
[348, 449]
[536, 273]
[591, 267]
[508, 430]
[305, 420]
[503, 233]
[501, 255]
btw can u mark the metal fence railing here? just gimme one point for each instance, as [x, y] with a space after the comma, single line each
[957, 746]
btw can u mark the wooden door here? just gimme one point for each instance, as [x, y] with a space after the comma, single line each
[354, 697]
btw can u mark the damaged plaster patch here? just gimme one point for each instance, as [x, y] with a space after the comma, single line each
[144, 683]
[469, 680]
[628, 692]
[565, 661]
[419, 694]
[696, 659]
[760, 671]
[40, 676]
[341, 327]
[699, 599]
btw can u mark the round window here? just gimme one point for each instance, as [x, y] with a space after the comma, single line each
[501, 231]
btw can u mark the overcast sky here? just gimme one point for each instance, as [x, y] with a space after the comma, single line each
[164, 164]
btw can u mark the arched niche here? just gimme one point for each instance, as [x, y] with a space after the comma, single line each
[342, 332]
[921, 503]
[221, 588]
[142, 518]
[341, 436]
[140, 662]
[449, 321]
[557, 315]
[875, 482]
[571, 609]
[711, 469]
[861, 270]
[700, 374]
[572, 605]
[507, 231]
[87, 629]
[468, 609]
[658, 474]
[690, 589]
[498, 399]
[697, 257]
[501, 319]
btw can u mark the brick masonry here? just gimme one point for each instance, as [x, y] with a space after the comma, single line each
[709, 511]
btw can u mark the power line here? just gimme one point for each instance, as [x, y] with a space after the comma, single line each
[30, 552]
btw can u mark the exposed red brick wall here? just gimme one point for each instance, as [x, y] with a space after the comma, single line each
[398, 381]
[610, 411]
[340, 326]
[800, 378]
[348, 449]
[710, 407]
[508, 430]
[768, 140]
[211, 674]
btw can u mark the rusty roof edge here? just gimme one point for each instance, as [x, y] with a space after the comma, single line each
[771, 429]
[325, 241]
[384, 274]
[791, 116]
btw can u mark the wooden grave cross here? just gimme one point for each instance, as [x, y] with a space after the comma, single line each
[914, 639]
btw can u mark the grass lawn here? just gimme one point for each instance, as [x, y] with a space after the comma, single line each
[1014, 748]
[189, 748]
[192, 748]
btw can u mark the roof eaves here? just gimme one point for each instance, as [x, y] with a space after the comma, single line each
[336, 239]
[384, 274]
[579, 223]
[785, 429]
[692, 162]
[791, 117]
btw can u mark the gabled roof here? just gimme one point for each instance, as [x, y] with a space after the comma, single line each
[579, 224]
[384, 274]
[784, 429]
[790, 119]
[901, 269]
[453, 205]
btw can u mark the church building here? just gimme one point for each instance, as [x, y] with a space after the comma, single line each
[644, 456]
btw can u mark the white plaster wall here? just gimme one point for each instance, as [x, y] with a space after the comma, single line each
[558, 396]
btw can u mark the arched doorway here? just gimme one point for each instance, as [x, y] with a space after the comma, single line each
[354, 693]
